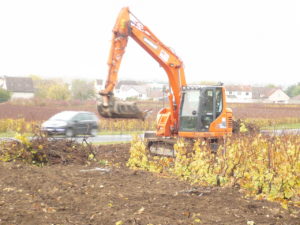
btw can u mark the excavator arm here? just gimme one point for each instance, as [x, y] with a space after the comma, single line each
[127, 25]
[118, 45]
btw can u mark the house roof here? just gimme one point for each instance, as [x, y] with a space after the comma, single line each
[19, 84]
[130, 82]
[125, 82]
[263, 92]
[155, 93]
[99, 82]
[245, 88]
[142, 89]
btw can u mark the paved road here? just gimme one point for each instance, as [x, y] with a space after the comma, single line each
[104, 138]
[128, 137]
[281, 132]
[89, 139]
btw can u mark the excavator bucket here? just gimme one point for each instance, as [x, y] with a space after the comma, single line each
[120, 109]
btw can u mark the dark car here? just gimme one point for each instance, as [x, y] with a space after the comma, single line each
[72, 123]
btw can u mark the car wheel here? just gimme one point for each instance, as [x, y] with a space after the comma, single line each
[93, 132]
[69, 132]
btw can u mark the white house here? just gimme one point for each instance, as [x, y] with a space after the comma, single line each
[270, 95]
[238, 93]
[132, 91]
[99, 85]
[19, 87]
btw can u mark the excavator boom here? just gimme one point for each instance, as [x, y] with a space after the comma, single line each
[127, 25]
[193, 111]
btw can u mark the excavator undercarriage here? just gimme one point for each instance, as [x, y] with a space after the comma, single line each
[159, 146]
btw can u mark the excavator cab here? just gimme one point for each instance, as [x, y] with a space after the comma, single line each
[200, 106]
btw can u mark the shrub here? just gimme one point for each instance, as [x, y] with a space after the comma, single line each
[4, 95]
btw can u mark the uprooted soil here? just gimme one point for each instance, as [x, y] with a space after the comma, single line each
[101, 193]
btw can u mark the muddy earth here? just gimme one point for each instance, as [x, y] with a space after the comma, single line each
[107, 192]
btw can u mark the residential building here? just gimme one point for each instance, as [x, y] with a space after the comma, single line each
[132, 91]
[19, 87]
[248, 94]
[238, 93]
[270, 95]
[99, 85]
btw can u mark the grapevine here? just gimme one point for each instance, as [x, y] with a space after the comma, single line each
[262, 166]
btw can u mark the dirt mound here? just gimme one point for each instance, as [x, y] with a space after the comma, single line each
[42, 150]
[107, 192]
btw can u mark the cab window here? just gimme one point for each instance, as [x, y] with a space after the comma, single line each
[219, 102]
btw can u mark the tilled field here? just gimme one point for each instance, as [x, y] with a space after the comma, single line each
[240, 111]
[102, 193]
[36, 113]
[265, 111]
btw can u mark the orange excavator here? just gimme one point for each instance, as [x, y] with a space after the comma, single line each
[193, 112]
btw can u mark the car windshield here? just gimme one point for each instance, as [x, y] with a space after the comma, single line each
[66, 115]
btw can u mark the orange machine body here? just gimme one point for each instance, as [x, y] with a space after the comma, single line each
[169, 118]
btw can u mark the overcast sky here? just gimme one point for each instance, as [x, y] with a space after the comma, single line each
[235, 41]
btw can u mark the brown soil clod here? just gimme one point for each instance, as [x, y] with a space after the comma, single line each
[68, 190]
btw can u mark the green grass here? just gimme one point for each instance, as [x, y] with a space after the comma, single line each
[111, 143]
[119, 132]
[13, 133]
[8, 134]
[283, 126]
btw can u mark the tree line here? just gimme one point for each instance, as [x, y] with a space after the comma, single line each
[57, 89]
